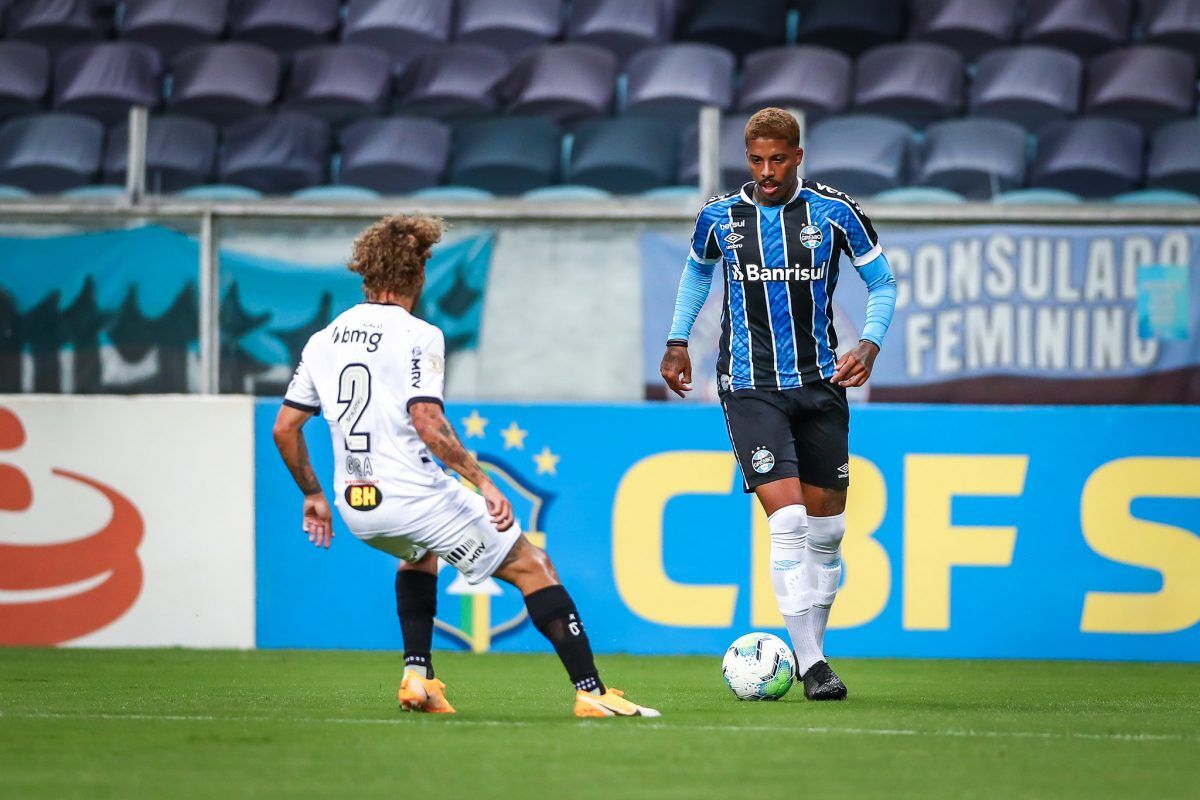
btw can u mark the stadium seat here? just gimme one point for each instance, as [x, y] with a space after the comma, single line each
[912, 81]
[732, 156]
[1148, 85]
[401, 28]
[561, 82]
[1157, 197]
[506, 156]
[394, 156]
[171, 26]
[1173, 23]
[50, 153]
[275, 154]
[1050, 197]
[977, 158]
[918, 195]
[224, 81]
[103, 80]
[972, 27]
[180, 152]
[623, 156]
[220, 191]
[566, 192]
[1174, 161]
[815, 80]
[621, 26]
[678, 79]
[740, 27]
[1090, 156]
[453, 80]
[338, 83]
[1081, 26]
[859, 154]
[453, 194]
[1031, 86]
[851, 26]
[512, 26]
[24, 77]
[343, 194]
[55, 24]
[283, 25]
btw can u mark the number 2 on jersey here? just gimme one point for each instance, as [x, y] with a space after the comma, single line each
[354, 389]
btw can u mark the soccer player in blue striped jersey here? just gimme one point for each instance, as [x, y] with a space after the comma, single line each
[780, 380]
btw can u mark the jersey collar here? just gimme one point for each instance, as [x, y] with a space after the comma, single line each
[748, 194]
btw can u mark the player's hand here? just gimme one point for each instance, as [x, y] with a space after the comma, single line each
[318, 520]
[854, 367]
[498, 506]
[676, 369]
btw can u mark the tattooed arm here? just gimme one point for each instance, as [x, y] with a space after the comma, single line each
[438, 435]
[289, 439]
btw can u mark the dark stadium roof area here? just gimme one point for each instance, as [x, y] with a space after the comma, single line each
[974, 97]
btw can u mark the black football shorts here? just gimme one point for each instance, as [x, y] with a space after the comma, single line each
[790, 433]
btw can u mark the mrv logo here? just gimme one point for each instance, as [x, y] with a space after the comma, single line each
[753, 272]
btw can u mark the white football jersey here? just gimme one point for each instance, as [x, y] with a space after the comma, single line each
[363, 372]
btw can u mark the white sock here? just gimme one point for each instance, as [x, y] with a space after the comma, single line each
[823, 570]
[788, 528]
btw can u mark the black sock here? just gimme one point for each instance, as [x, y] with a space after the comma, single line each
[416, 605]
[553, 613]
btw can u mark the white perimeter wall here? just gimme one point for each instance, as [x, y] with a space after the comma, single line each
[186, 465]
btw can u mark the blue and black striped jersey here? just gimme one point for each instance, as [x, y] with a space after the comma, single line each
[781, 269]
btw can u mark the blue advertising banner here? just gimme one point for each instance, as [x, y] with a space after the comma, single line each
[1007, 532]
[1036, 314]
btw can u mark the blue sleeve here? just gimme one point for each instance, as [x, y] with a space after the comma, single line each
[693, 291]
[881, 298]
[705, 249]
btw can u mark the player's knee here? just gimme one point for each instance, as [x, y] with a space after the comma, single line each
[532, 561]
[825, 536]
[827, 502]
[788, 526]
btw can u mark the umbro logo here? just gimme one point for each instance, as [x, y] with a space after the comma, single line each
[734, 238]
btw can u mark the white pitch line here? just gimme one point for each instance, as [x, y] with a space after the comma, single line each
[965, 733]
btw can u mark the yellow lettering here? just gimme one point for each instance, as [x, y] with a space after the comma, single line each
[867, 578]
[356, 496]
[1113, 532]
[933, 545]
[638, 509]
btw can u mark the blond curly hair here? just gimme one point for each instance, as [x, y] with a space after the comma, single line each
[391, 254]
[773, 123]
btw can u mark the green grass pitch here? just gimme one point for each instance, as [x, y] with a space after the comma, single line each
[171, 723]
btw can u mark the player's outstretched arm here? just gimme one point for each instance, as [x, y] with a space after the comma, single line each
[438, 435]
[289, 440]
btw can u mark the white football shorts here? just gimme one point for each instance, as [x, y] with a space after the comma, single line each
[471, 544]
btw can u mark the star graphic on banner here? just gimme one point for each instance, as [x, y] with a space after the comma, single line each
[514, 436]
[547, 462]
[474, 424]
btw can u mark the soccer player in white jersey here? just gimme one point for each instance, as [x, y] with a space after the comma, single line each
[781, 383]
[376, 374]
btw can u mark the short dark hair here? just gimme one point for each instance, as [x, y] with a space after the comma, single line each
[391, 254]
[773, 123]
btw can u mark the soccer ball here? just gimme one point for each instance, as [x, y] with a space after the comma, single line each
[758, 666]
